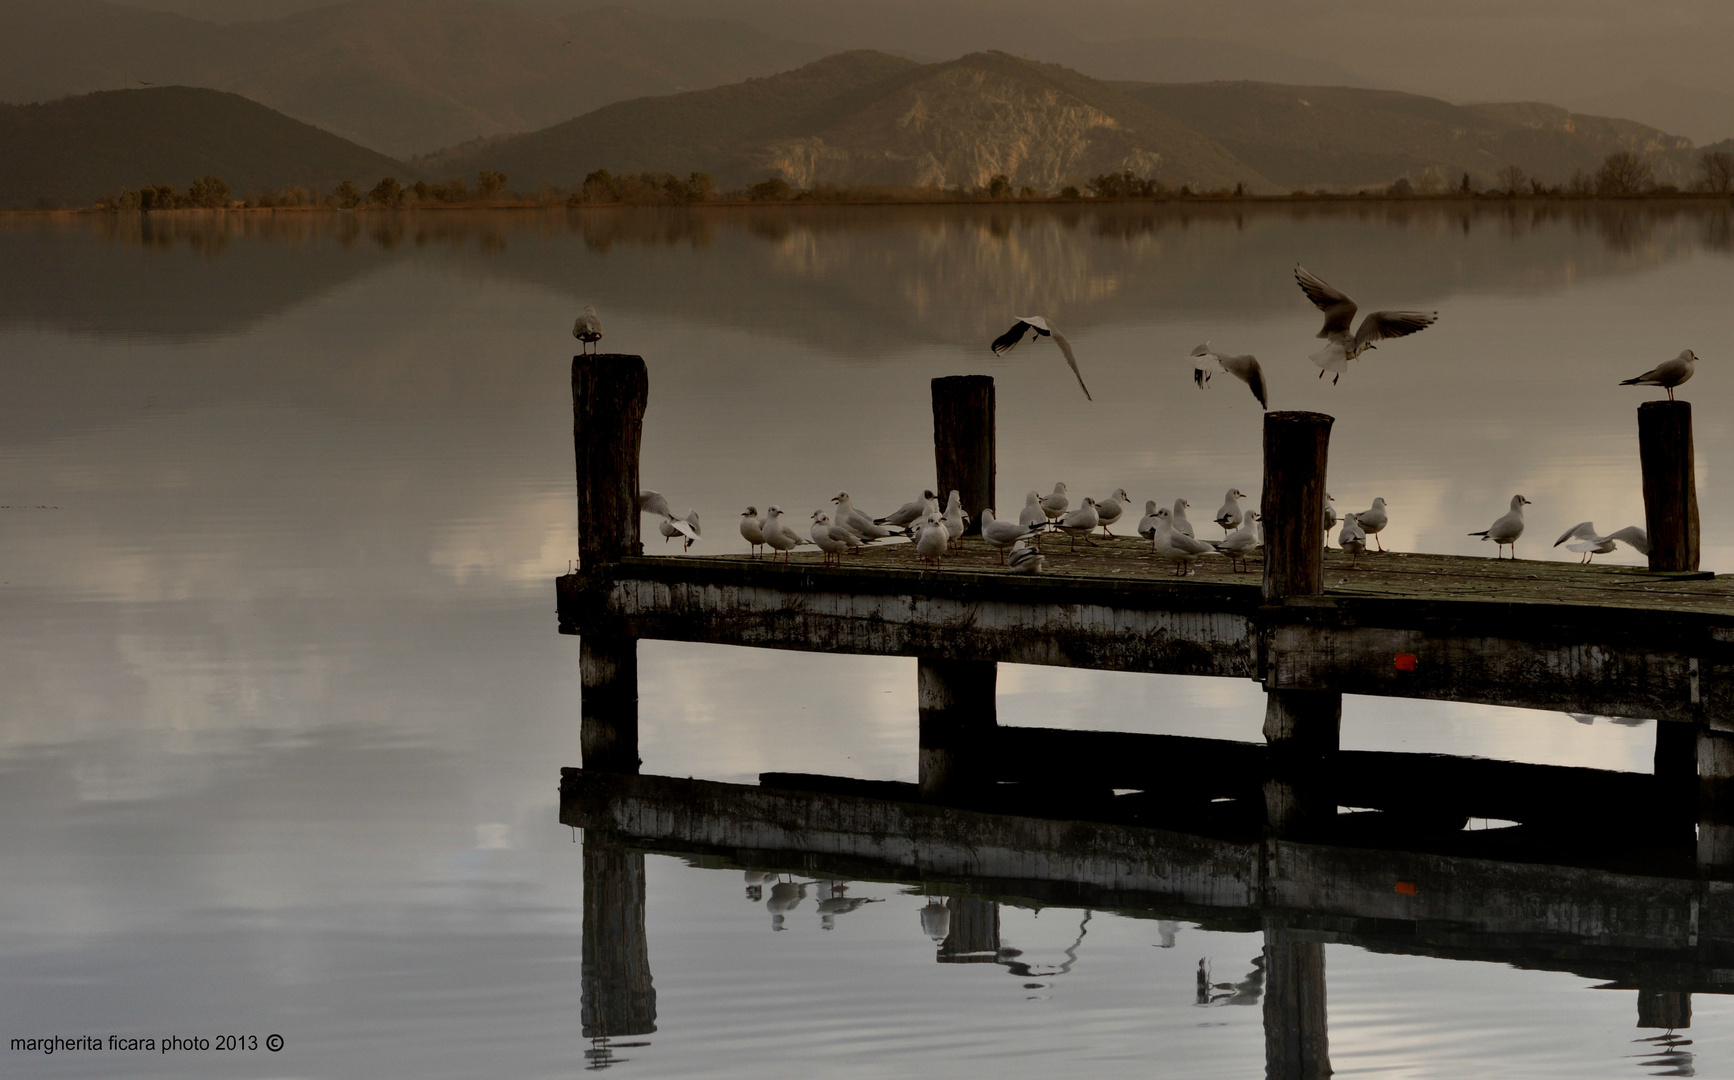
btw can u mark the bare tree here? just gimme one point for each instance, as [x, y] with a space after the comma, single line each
[1718, 169]
[1624, 173]
[1511, 179]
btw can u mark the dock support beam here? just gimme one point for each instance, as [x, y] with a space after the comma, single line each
[1670, 487]
[616, 996]
[1296, 445]
[1669, 1009]
[974, 936]
[1304, 731]
[1716, 803]
[609, 391]
[1676, 769]
[958, 724]
[1297, 1043]
[963, 443]
[608, 677]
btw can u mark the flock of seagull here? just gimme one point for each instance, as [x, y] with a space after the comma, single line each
[935, 531]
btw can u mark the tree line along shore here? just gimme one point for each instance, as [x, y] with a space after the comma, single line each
[1621, 175]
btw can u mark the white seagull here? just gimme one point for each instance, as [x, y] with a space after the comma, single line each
[1330, 517]
[1025, 559]
[1032, 514]
[1008, 341]
[1002, 534]
[588, 328]
[1148, 523]
[955, 518]
[672, 527]
[1081, 523]
[1244, 368]
[910, 512]
[751, 530]
[1508, 528]
[1241, 541]
[931, 539]
[1179, 521]
[1591, 543]
[779, 537]
[1170, 543]
[1110, 509]
[833, 539]
[1373, 521]
[1667, 374]
[1352, 540]
[1229, 516]
[1054, 505]
[859, 523]
[1340, 312]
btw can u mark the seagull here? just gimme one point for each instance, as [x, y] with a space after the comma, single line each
[1508, 528]
[1026, 560]
[588, 328]
[1054, 505]
[1590, 543]
[1110, 509]
[786, 896]
[1147, 524]
[1229, 516]
[1179, 518]
[1171, 543]
[833, 539]
[688, 527]
[910, 512]
[1002, 534]
[1241, 541]
[932, 540]
[1008, 341]
[1373, 522]
[1340, 312]
[1081, 522]
[1352, 539]
[1244, 368]
[779, 537]
[750, 529]
[1330, 517]
[859, 523]
[1032, 514]
[1668, 374]
[955, 518]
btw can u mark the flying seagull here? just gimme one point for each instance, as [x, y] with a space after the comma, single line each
[1244, 368]
[1008, 341]
[588, 328]
[1591, 543]
[1340, 312]
[1668, 374]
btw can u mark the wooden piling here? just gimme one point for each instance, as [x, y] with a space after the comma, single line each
[1670, 487]
[1304, 731]
[1716, 804]
[609, 391]
[974, 936]
[1670, 1009]
[616, 995]
[1296, 446]
[1676, 771]
[1297, 1043]
[963, 443]
[958, 724]
[608, 679]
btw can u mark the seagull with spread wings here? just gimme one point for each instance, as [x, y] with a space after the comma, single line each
[1245, 368]
[1009, 340]
[1339, 310]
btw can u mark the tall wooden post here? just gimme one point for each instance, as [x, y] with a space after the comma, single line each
[609, 391]
[963, 442]
[959, 721]
[1716, 803]
[1297, 1044]
[1296, 446]
[608, 680]
[616, 996]
[1304, 731]
[1670, 487]
[1669, 1009]
[1676, 770]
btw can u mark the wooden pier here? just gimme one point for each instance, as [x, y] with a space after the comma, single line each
[1627, 877]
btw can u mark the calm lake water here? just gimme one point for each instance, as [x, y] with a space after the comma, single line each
[282, 499]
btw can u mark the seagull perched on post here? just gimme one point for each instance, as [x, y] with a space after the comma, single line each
[1340, 312]
[588, 328]
[1009, 340]
[1508, 528]
[1590, 543]
[1667, 374]
[1244, 368]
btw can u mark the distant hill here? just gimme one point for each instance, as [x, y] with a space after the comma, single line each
[1306, 136]
[76, 150]
[873, 119]
[401, 76]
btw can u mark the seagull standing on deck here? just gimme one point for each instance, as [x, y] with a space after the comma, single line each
[1373, 521]
[1009, 340]
[1340, 312]
[778, 536]
[1032, 514]
[1178, 518]
[1110, 509]
[910, 512]
[1002, 534]
[1081, 523]
[1508, 528]
[588, 328]
[1244, 368]
[1668, 374]
[1054, 505]
[1352, 540]
[1147, 525]
[859, 523]
[1229, 516]
[1170, 543]
[833, 540]
[751, 529]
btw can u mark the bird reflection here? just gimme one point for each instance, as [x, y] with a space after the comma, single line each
[786, 896]
[833, 902]
[1245, 992]
[1167, 931]
[1668, 1055]
[601, 1053]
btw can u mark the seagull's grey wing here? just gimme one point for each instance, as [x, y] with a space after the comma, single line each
[1066, 347]
[1583, 530]
[1339, 309]
[1637, 538]
[1009, 340]
[1393, 324]
[1207, 365]
[652, 502]
[683, 528]
[1246, 369]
